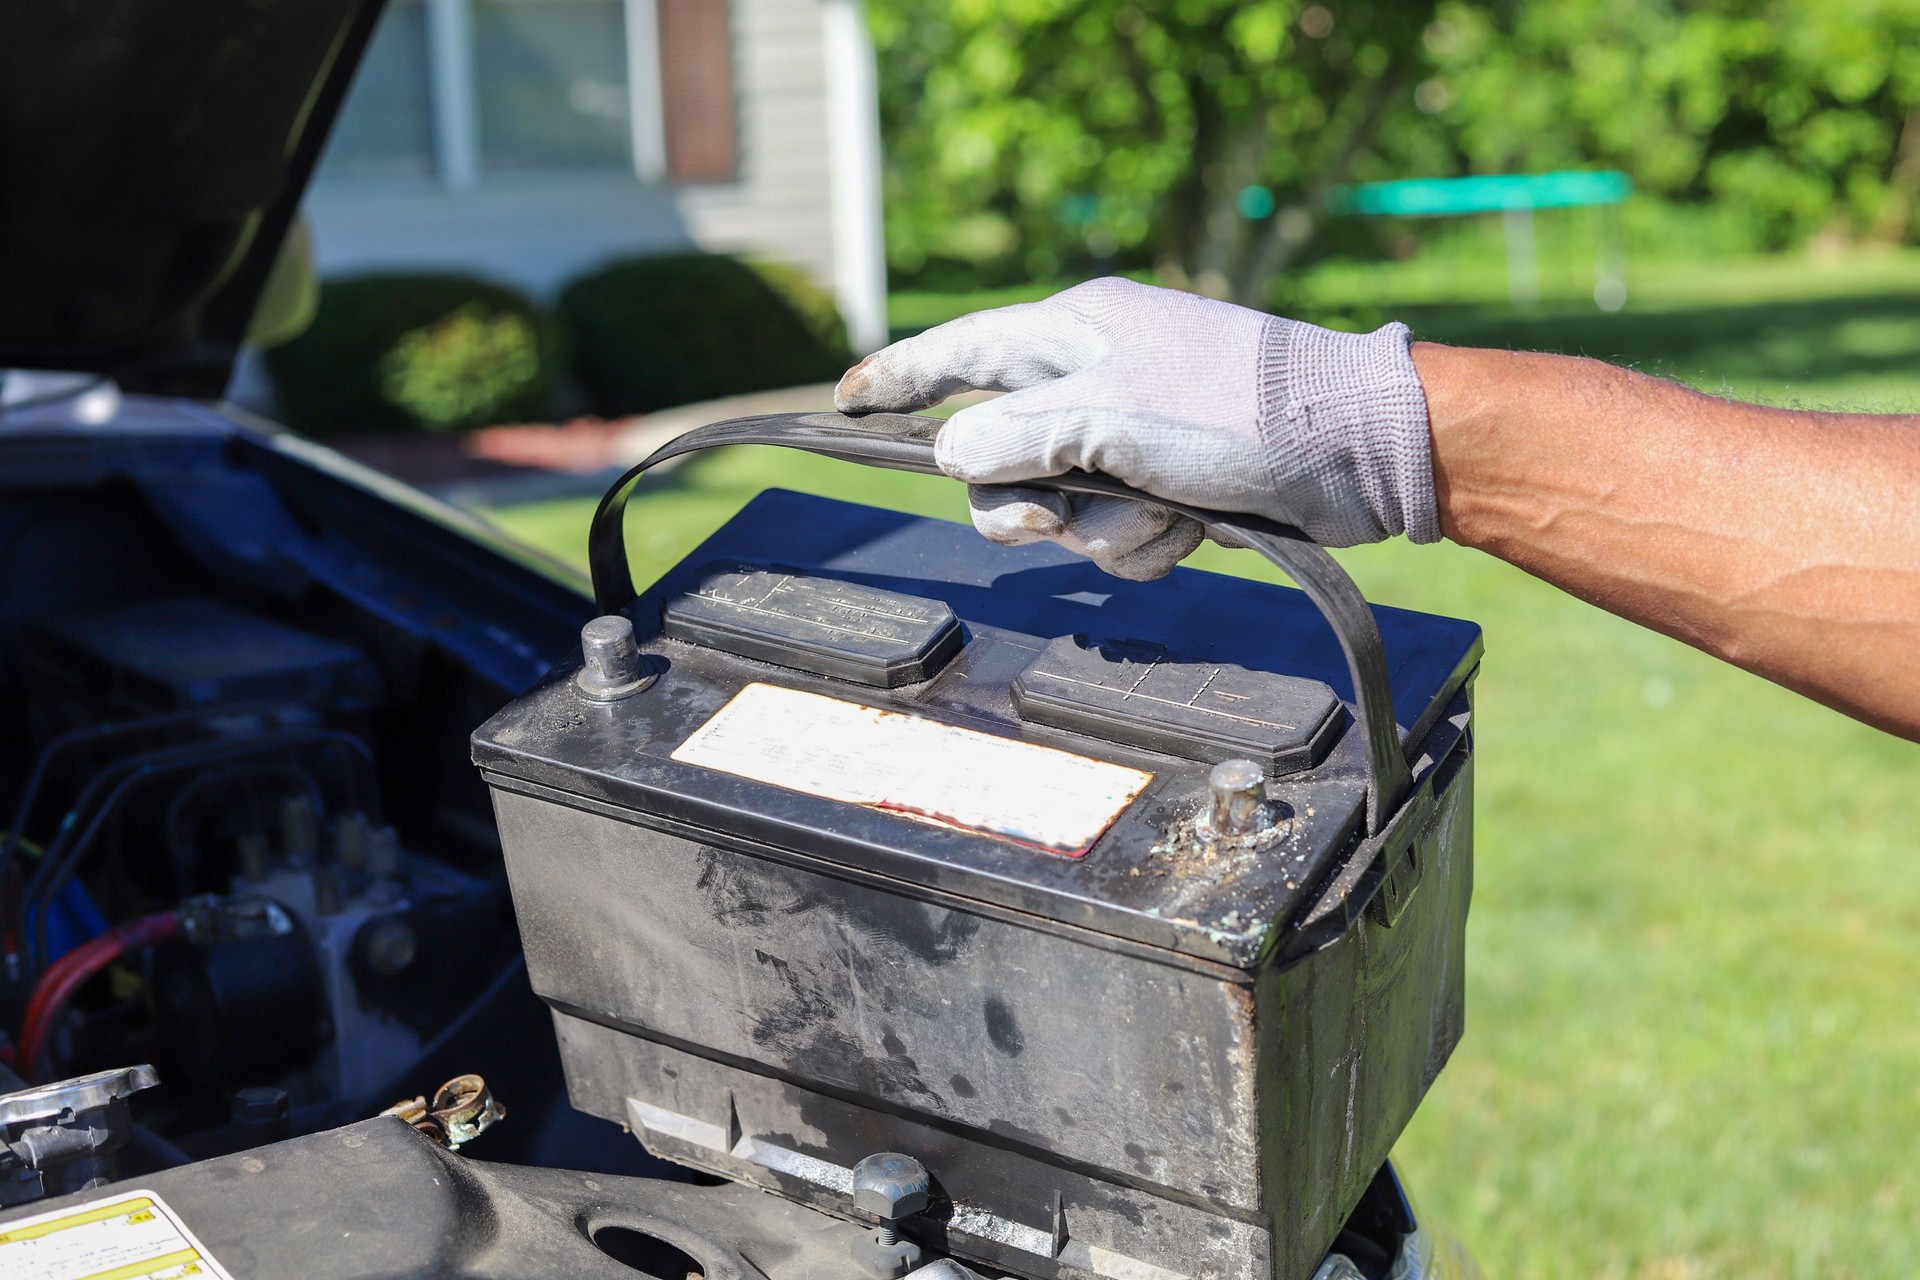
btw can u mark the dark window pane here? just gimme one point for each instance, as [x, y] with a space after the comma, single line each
[385, 128]
[551, 76]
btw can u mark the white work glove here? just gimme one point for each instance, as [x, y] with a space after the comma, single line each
[1180, 396]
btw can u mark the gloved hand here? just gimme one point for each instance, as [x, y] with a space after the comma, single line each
[1180, 396]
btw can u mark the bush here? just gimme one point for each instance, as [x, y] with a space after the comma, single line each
[396, 353]
[649, 333]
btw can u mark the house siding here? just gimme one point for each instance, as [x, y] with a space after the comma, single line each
[782, 203]
[538, 230]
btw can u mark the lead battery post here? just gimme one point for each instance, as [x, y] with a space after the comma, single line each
[1237, 808]
[612, 666]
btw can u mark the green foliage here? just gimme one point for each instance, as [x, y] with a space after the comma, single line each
[649, 333]
[1026, 135]
[1034, 138]
[814, 305]
[396, 353]
[452, 373]
[1802, 114]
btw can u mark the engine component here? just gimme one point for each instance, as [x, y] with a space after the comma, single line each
[60, 1138]
[355, 915]
[386, 945]
[240, 998]
[157, 656]
[378, 1200]
[389, 1201]
[890, 1186]
[299, 831]
[293, 966]
[784, 918]
[213, 646]
[151, 791]
[462, 1109]
[70, 971]
[261, 1115]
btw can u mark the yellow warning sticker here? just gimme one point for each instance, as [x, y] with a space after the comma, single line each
[133, 1236]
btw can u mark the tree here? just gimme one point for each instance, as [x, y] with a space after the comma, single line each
[1200, 134]
[1799, 116]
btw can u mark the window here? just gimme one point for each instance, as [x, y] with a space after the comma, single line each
[386, 127]
[551, 79]
[455, 90]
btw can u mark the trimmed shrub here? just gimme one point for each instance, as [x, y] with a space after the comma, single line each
[649, 333]
[398, 353]
[812, 303]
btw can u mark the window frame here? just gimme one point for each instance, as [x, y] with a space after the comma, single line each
[453, 104]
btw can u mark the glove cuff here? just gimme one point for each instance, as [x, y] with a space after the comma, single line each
[1343, 415]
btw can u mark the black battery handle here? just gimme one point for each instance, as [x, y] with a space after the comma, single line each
[904, 442]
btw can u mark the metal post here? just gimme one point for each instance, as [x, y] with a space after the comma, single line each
[1610, 287]
[456, 112]
[646, 110]
[1523, 265]
[853, 151]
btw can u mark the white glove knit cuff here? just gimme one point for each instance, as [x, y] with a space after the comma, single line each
[1344, 421]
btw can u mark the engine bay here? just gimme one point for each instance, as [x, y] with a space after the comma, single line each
[240, 839]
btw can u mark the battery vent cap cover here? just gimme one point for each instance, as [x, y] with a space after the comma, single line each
[882, 639]
[1140, 694]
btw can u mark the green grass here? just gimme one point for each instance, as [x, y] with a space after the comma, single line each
[1838, 333]
[1858, 352]
[1694, 955]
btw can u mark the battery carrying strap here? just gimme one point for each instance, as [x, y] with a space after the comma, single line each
[904, 442]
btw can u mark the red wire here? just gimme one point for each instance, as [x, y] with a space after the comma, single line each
[70, 972]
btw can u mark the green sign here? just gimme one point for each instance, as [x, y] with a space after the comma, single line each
[1430, 197]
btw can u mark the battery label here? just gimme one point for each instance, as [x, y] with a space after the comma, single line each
[906, 764]
[133, 1236]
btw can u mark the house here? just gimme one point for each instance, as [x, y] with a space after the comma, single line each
[528, 140]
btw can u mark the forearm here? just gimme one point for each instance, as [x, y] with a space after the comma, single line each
[1785, 542]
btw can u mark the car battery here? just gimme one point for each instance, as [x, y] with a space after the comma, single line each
[1134, 911]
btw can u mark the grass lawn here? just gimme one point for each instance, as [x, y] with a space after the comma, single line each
[1693, 1047]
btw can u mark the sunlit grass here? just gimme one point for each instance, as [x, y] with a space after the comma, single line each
[1840, 332]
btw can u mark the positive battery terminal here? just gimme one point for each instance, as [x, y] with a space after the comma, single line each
[1237, 813]
[612, 665]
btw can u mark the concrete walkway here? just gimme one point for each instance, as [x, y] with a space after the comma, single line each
[636, 439]
[639, 437]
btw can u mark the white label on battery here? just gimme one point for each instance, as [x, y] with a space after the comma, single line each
[906, 764]
[132, 1236]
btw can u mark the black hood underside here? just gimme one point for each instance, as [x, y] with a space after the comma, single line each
[152, 157]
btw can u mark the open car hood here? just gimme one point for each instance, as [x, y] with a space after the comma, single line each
[152, 158]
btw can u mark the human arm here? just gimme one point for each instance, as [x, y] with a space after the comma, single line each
[1783, 541]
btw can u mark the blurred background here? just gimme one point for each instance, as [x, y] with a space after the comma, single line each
[555, 232]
